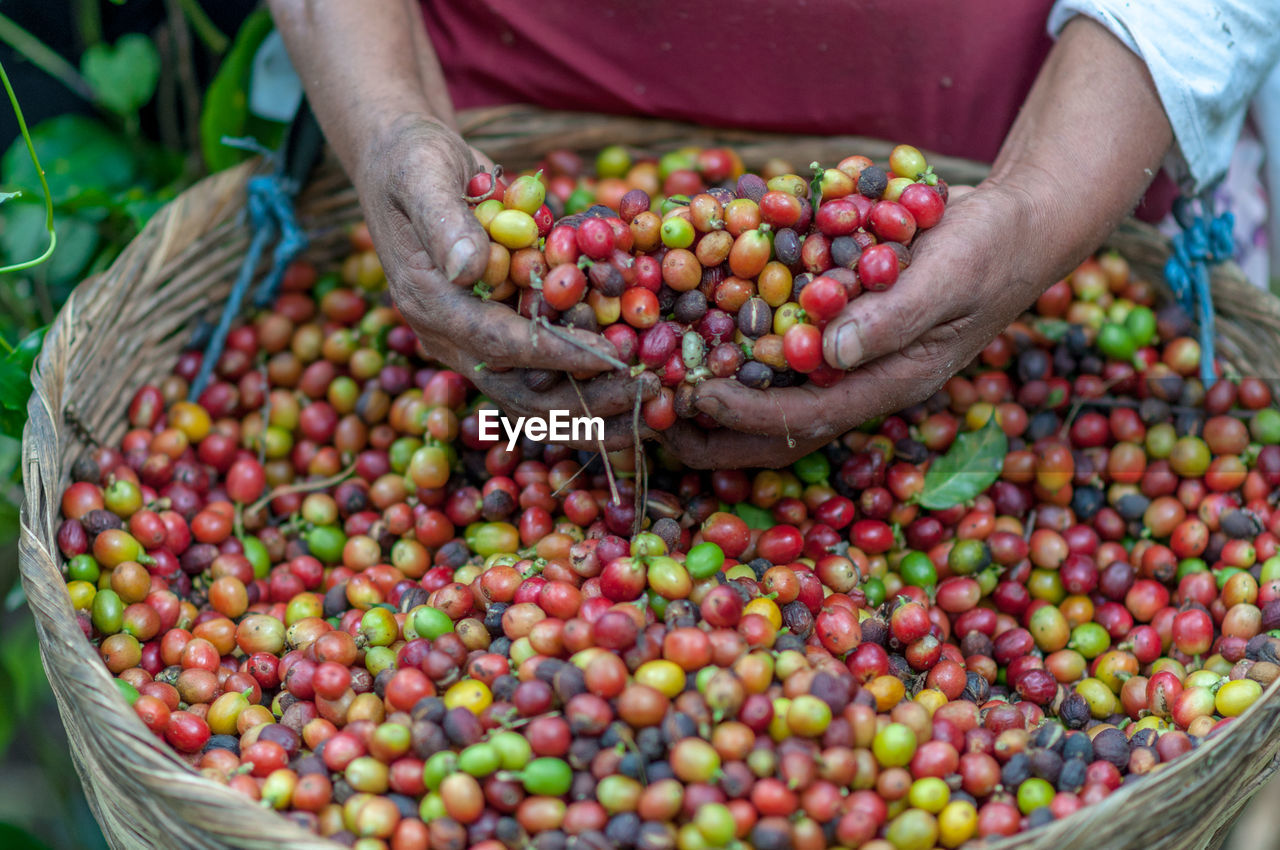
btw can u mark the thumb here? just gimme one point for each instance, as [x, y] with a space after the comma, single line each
[455, 241]
[880, 323]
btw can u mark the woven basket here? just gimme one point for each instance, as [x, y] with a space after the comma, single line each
[126, 326]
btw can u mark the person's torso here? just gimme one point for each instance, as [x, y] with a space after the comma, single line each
[943, 75]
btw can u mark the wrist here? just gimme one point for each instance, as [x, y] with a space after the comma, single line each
[358, 129]
[1085, 146]
[1050, 227]
[382, 133]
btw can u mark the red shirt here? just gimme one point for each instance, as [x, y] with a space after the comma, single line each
[914, 71]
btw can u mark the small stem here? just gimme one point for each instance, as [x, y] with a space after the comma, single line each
[72, 418]
[205, 29]
[266, 417]
[305, 487]
[560, 334]
[186, 70]
[604, 454]
[641, 468]
[581, 470]
[167, 93]
[44, 58]
[4, 343]
[31, 150]
[642, 491]
[1080, 402]
[1173, 408]
[88, 22]
[496, 175]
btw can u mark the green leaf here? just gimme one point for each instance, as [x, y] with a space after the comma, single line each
[85, 162]
[971, 465]
[754, 517]
[16, 838]
[15, 385]
[77, 244]
[159, 169]
[26, 351]
[226, 103]
[123, 75]
[12, 422]
[1053, 329]
[20, 659]
[15, 390]
[24, 232]
[21, 677]
[141, 211]
[10, 455]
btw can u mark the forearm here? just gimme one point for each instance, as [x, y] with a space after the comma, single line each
[364, 65]
[1086, 145]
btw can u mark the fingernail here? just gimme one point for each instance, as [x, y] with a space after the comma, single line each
[848, 347]
[459, 255]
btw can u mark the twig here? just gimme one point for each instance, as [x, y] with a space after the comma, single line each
[642, 491]
[43, 57]
[88, 22]
[563, 335]
[1108, 403]
[1075, 408]
[72, 418]
[205, 29]
[304, 487]
[641, 474]
[167, 93]
[604, 454]
[266, 415]
[35, 160]
[186, 68]
[581, 470]
[635, 417]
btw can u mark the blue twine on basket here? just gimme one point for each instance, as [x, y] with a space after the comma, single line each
[1205, 239]
[270, 208]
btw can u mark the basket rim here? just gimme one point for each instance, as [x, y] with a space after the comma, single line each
[39, 561]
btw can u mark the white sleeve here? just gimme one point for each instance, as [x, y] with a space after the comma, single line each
[1206, 57]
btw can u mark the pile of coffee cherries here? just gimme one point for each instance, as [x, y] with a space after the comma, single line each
[322, 588]
[695, 269]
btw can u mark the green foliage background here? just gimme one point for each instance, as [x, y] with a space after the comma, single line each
[126, 135]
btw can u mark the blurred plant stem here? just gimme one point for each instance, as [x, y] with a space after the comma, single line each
[44, 58]
[88, 22]
[214, 39]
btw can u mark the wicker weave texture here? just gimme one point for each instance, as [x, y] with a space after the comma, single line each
[126, 326]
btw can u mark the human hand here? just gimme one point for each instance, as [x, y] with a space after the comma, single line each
[1094, 110]
[412, 181]
[970, 276]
